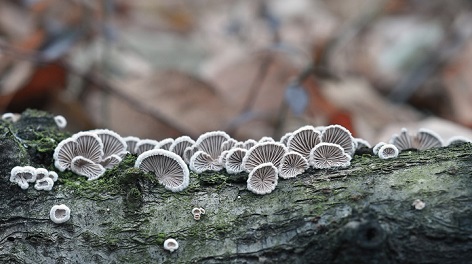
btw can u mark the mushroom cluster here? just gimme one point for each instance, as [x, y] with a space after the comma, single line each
[267, 159]
[43, 179]
[90, 153]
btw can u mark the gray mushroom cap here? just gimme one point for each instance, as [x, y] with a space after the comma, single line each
[262, 153]
[263, 179]
[168, 167]
[292, 165]
[329, 155]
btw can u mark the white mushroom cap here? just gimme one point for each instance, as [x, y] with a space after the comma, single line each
[457, 139]
[376, 148]
[131, 143]
[171, 244]
[211, 142]
[41, 173]
[388, 151]
[402, 141]
[263, 153]
[113, 143]
[53, 175]
[165, 143]
[188, 153]
[361, 143]
[64, 152]
[59, 213]
[22, 176]
[249, 143]
[45, 184]
[11, 117]
[292, 164]
[329, 155]
[426, 139]
[228, 144]
[337, 134]
[266, 139]
[202, 161]
[180, 144]
[234, 160]
[87, 168]
[263, 178]
[144, 145]
[89, 146]
[303, 140]
[61, 121]
[169, 168]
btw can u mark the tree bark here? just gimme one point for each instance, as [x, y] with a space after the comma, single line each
[361, 214]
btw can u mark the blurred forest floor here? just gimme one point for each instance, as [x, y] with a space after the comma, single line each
[163, 68]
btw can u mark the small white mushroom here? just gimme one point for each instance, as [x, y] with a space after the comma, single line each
[329, 155]
[418, 204]
[59, 213]
[23, 175]
[339, 135]
[44, 184]
[271, 152]
[388, 151]
[234, 160]
[171, 244]
[197, 212]
[169, 168]
[263, 179]
[61, 121]
[303, 140]
[292, 164]
[11, 117]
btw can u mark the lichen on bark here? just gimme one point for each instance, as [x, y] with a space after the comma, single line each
[361, 214]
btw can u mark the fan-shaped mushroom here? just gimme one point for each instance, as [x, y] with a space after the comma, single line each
[263, 178]
[292, 164]
[169, 168]
[329, 155]
[303, 140]
[262, 153]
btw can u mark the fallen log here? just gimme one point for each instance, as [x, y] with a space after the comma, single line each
[360, 214]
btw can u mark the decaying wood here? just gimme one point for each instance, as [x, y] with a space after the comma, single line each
[361, 214]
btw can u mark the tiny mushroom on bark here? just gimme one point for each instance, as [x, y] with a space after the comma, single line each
[11, 117]
[165, 143]
[61, 121]
[263, 178]
[22, 176]
[426, 139]
[145, 145]
[388, 151]
[202, 161]
[376, 148]
[303, 140]
[292, 164]
[328, 155]
[86, 167]
[188, 153]
[211, 142]
[59, 213]
[168, 167]
[403, 141]
[171, 244]
[249, 143]
[113, 143]
[339, 135]
[131, 143]
[263, 153]
[64, 153]
[234, 160]
[180, 144]
[45, 184]
[284, 138]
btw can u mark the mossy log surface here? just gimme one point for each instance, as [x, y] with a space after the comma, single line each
[361, 214]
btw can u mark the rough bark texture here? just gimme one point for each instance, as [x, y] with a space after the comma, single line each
[361, 214]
